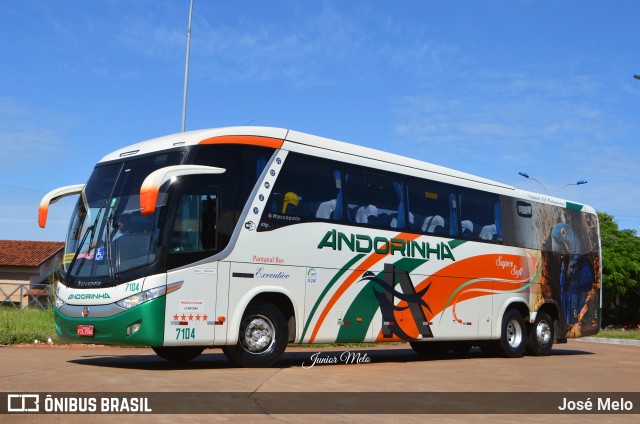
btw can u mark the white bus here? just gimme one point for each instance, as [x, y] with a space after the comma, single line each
[251, 238]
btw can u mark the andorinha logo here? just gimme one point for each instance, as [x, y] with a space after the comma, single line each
[361, 243]
[89, 296]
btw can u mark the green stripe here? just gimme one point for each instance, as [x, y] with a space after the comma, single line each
[455, 243]
[365, 305]
[335, 278]
[574, 206]
[475, 280]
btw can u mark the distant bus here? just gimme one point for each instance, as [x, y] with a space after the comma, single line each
[252, 238]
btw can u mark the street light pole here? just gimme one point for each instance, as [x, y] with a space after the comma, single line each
[186, 71]
[579, 182]
[524, 174]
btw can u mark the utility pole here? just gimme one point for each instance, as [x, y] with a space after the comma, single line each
[186, 71]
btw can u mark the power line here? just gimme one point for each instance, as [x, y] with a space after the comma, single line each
[23, 188]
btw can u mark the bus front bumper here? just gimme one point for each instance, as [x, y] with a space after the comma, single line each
[142, 325]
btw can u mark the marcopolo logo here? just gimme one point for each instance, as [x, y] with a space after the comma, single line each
[89, 296]
[82, 283]
[361, 243]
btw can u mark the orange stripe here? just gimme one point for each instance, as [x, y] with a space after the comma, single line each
[444, 282]
[148, 199]
[365, 265]
[254, 140]
[43, 211]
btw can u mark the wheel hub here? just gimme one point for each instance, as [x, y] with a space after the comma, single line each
[543, 333]
[258, 335]
[514, 334]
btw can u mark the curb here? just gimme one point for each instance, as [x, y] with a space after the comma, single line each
[626, 342]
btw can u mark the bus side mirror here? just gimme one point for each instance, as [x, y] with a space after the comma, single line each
[52, 197]
[151, 185]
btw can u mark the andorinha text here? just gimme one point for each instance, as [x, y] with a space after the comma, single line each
[361, 243]
[89, 296]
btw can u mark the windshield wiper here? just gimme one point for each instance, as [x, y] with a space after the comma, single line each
[109, 250]
[92, 229]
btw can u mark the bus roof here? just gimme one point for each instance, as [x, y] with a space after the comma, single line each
[292, 140]
[311, 144]
[311, 141]
[190, 138]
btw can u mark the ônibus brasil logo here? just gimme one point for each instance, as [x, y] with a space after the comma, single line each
[362, 243]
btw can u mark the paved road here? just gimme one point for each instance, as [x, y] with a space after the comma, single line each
[577, 368]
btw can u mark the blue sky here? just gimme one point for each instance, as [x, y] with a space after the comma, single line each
[486, 87]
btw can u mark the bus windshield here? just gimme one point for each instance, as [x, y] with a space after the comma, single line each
[107, 234]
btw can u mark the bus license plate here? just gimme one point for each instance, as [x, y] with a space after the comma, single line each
[85, 330]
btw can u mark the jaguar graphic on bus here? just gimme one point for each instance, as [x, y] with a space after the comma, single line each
[252, 238]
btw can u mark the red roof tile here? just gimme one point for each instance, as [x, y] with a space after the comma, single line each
[27, 253]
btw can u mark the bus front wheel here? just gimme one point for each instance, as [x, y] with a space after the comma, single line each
[513, 335]
[262, 338]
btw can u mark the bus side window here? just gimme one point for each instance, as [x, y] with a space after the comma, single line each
[429, 204]
[375, 198]
[480, 215]
[307, 189]
[194, 228]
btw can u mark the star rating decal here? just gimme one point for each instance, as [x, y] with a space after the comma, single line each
[190, 317]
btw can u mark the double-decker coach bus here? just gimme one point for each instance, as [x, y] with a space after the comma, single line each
[251, 238]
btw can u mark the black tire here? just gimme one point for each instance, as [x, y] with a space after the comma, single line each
[541, 336]
[262, 337]
[178, 353]
[513, 335]
[430, 349]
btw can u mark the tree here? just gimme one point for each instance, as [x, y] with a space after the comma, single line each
[620, 273]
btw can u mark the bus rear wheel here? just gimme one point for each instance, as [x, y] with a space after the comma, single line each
[262, 338]
[542, 335]
[178, 353]
[513, 335]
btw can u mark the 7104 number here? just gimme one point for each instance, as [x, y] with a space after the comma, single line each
[185, 333]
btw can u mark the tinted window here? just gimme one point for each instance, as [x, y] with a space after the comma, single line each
[243, 165]
[194, 228]
[308, 189]
[479, 214]
[374, 198]
[109, 209]
[431, 208]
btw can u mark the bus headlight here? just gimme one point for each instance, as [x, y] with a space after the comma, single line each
[147, 295]
[59, 302]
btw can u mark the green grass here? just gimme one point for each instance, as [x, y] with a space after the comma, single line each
[26, 325]
[619, 333]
